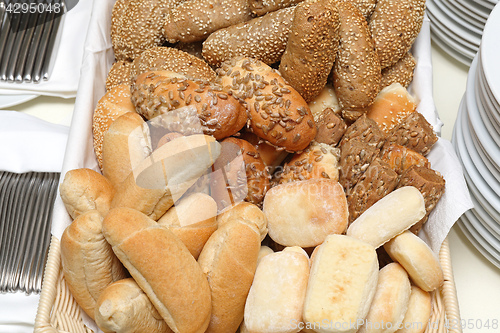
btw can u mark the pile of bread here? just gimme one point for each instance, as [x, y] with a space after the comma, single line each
[262, 169]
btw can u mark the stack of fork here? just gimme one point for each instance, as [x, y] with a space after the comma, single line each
[28, 37]
[26, 203]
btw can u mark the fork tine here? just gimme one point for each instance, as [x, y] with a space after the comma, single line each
[11, 36]
[42, 48]
[16, 47]
[33, 49]
[52, 40]
[4, 31]
[27, 41]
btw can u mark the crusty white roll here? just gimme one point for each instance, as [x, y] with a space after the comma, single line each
[193, 220]
[390, 302]
[264, 251]
[293, 214]
[124, 308]
[163, 267]
[342, 284]
[85, 189]
[388, 217]
[417, 258]
[418, 313]
[229, 260]
[125, 145]
[163, 177]
[276, 298]
[248, 212]
[88, 262]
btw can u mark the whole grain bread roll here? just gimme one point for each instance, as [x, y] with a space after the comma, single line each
[116, 102]
[276, 298]
[219, 113]
[163, 267]
[246, 212]
[401, 158]
[88, 262]
[418, 313]
[401, 72]
[85, 189]
[171, 59]
[229, 260]
[311, 47]
[193, 220]
[342, 283]
[271, 156]
[163, 177]
[389, 217]
[390, 302]
[365, 129]
[125, 145]
[277, 113]
[394, 26]
[262, 7]
[357, 72]
[124, 308]
[292, 213]
[331, 128]
[418, 260]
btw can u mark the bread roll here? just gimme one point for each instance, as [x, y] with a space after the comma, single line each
[400, 72]
[277, 112]
[163, 267]
[326, 99]
[264, 251]
[365, 129]
[193, 220]
[342, 284]
[125, 145]
[247, 212]
[229, 260]
[418, 260]
[401, 158]
[293, 216]
[162, 178]
[331, 128]
[318, 161]
[119, 73]
[390, 302]
[391, 106]
[418, 313]
[260, 7]
[271, 156]
[85, 189]
[276, 298]
[389, 216]
[116, 102]
[88, 262]
[124, 308]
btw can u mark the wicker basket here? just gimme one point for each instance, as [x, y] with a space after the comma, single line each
[59, 312]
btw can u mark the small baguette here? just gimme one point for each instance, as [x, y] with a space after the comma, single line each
[418, 260]
[388, 217]
[390, 302]
[247, 212]
[277, 295]
[163, 177]
[163, 267]
[124, 308]
[193, 220]
[418, 313]
[229, 260]
[342, 284]
[88, 262]
[83, 190]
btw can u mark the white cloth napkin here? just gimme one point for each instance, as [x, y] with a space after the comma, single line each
[63, 81]
[29, 144]
[17, 312]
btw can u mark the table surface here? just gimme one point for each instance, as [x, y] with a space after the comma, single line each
[477, 280]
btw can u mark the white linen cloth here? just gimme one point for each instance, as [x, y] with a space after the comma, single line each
[27, 144]
[63, 81]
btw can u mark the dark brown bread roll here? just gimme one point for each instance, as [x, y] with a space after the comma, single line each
[331, 128]
[366, 130]
[401, 72]
[430, 183]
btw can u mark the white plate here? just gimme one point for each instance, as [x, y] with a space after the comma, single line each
[462, 18]
[487, 237]
[490, 50]
[449, 50]
[458, 46]
[494, 169]
[452, 25]
[486, 100]
[488, 120]
[495, 104]
[466, 14]
[491, 148]
[487, 4]
[6, 101]
[465, 225]
[477, 7]
[491, 226]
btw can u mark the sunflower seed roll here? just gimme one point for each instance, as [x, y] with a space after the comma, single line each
[263, 38]
[375, 183]
[366, 130]
[312, 47]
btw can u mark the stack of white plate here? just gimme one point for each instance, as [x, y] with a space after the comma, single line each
[457, 25]
[476, 137]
